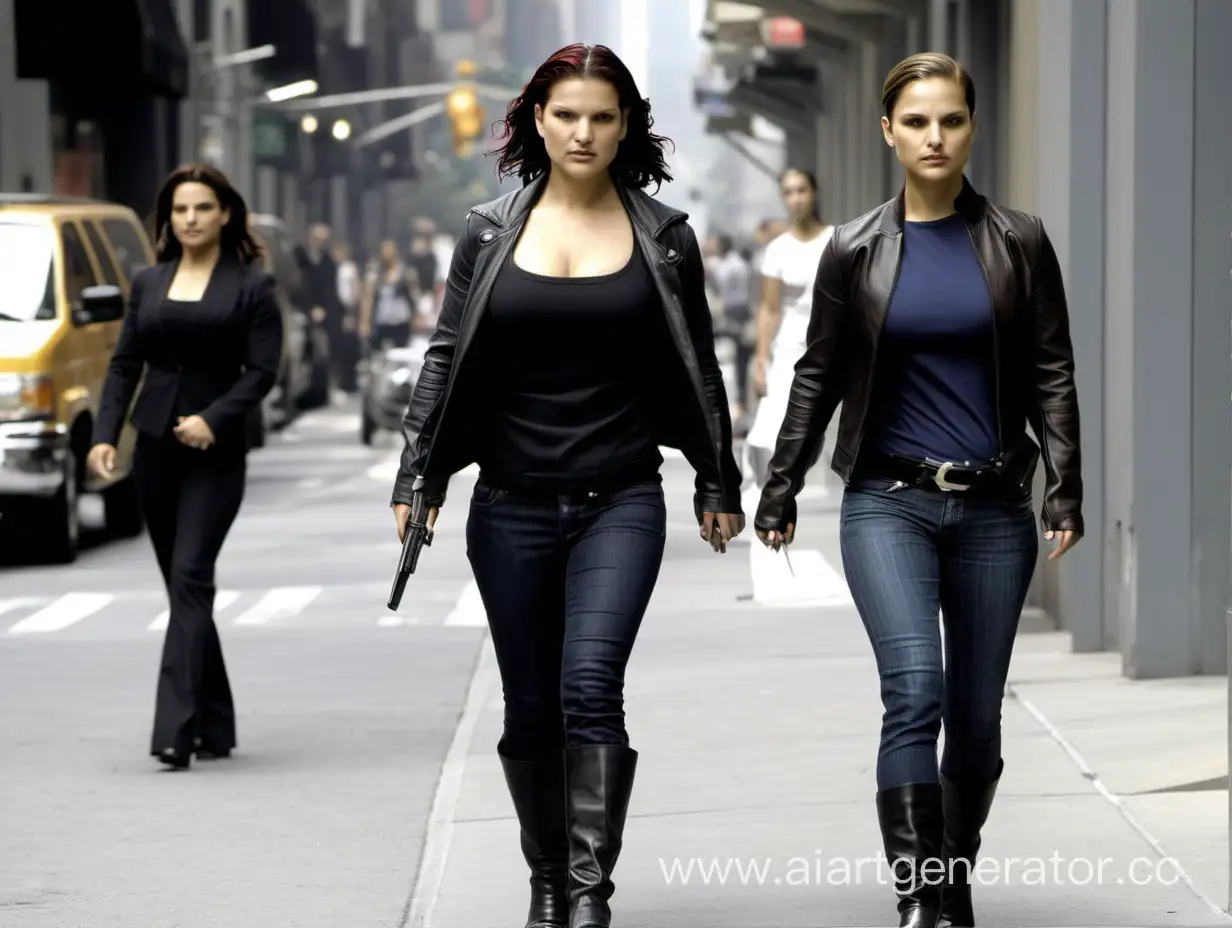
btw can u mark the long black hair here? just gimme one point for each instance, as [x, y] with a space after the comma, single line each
[639, 159]
[237, 240]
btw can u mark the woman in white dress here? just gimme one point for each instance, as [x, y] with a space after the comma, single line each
[788, 269]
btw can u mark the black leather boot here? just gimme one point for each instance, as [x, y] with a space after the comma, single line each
[600, 783]
[539, 798]
[912, 829]
[966, 808]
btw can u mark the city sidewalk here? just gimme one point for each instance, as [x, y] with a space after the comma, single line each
[757, 729]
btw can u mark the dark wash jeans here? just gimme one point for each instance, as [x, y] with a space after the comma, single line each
[565, 581]
[910, 555]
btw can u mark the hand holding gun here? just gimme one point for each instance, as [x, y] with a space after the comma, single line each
[418, 534]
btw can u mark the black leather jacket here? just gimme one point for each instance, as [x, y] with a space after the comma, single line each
[694, 415]
[1034, 361]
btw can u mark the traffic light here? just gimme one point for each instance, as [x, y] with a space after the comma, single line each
[465, 118]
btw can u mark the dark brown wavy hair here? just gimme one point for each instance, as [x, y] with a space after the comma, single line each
[236, 241]
[639, 160]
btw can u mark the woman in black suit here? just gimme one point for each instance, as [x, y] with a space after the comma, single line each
[205, 326]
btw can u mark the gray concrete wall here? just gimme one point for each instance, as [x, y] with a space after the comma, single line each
[1126, 143]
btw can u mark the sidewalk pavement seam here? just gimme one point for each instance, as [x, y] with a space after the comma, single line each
[438, 835]
[1085, 770]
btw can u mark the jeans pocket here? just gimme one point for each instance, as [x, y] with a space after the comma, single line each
[485, 494]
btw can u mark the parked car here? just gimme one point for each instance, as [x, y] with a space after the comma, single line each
[387, 379]
[66, 267]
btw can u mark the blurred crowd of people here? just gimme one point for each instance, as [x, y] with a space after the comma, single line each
[373, 303]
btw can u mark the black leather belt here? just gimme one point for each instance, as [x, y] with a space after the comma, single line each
[928, 474]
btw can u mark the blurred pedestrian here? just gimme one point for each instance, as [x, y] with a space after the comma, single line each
[389, 306]
[576, 339]
[732, 279]
[941, 326]
[350, 296]
[204, 326]
[788, 268]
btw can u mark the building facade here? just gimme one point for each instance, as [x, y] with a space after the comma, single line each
[1109, 119]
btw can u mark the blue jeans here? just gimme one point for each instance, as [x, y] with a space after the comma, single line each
[565, 581]
[910, 555]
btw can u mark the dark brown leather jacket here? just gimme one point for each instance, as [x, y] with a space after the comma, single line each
[694, 415]
[1034, 362]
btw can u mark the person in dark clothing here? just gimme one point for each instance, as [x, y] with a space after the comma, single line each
[320, 277]
[553, 290]
[204, 325]
[940, 323]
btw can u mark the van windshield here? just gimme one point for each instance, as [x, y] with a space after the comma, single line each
[27, 289]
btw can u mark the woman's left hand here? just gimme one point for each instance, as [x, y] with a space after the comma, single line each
[194, 432]
[718, 528]
[1065, 540]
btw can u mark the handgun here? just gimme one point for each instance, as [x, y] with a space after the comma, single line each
[417, 535]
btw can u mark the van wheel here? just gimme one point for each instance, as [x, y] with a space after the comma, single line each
[56, 523]
[122, 509]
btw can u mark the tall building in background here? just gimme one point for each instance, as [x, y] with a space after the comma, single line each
[672, 49]
[532, 32]
[595, 22]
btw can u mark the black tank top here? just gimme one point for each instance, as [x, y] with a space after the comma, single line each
[568, 372]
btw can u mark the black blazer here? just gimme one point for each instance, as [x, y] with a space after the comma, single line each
[219, 367]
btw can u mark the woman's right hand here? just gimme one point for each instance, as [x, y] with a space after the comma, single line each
[101, 460]
[402, 515]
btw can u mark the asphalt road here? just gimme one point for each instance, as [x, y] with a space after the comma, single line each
[346, 712]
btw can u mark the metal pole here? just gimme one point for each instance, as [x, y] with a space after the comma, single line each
[399, 124]
[409, 92]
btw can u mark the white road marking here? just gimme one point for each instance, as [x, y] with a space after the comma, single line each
[814, 582]
[8, 605]
[222, 599]
[469, 610]
[65, 611]
[279, 603]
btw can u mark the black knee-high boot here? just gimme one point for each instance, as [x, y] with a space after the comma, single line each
[600, 783]
[966, 807]
[539, 798]
[912, 830]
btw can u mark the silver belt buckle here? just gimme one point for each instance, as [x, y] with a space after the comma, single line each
[945, 485]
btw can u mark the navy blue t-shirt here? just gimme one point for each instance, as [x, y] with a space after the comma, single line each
[935, 356]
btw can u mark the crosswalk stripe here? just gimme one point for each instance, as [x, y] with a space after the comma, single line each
[469, 610]
[63, 612]
[222, 599]
[809, 579]
[8, 605]
[279, 603]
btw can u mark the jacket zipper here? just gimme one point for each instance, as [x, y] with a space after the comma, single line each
[872, 366]
[996, 344]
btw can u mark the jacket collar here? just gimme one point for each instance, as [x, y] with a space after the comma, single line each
[645, 211]
[970, 204]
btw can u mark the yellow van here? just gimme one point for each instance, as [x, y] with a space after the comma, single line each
[65, 270]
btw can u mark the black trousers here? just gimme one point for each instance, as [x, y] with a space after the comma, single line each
[565, 581]
[190, 499]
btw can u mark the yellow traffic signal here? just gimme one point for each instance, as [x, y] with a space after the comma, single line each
[465, 117]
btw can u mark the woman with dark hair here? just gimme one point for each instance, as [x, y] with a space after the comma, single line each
[574, 340]
[788, 267]
[940, 323]
[204, 326]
